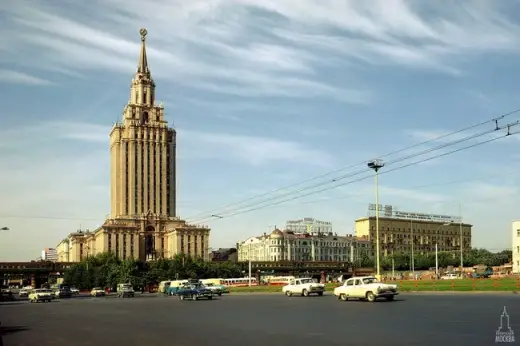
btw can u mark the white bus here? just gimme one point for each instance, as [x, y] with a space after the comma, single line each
[280, 280]
[238, 282]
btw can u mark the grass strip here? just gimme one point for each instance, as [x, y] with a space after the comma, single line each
[459, 285]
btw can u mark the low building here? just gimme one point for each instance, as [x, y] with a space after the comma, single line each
[422, 235]
[515, 234]
[292, 246]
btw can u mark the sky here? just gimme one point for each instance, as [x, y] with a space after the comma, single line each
[264, 94]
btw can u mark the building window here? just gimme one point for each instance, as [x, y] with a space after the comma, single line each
[109, 242]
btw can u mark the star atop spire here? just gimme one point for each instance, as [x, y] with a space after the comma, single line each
[142, 67]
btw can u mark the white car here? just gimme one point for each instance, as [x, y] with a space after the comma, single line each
[365, 287]
[450, 276]
[303, 286]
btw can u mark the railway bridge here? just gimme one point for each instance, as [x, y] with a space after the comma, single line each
[32, 273]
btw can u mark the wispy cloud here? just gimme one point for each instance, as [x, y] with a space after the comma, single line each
[253, 150]
[257, 48]
[15, 77]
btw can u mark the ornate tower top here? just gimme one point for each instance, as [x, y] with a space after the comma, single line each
[142, 67]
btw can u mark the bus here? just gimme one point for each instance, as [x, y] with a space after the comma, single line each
[280, 280]
[239, 282]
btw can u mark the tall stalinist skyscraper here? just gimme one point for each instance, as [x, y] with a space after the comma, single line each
[143, 223]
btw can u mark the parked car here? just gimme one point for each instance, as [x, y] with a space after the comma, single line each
[97, 292]
[125, 291]
[304, 287]
[450, 276]
[40, 295]
[24, 292]
[74, 291]
[365, 287]
[6, 295]
[195, 292]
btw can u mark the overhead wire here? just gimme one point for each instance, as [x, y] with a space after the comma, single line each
[242, 211]
[234, 204]
[362, 171]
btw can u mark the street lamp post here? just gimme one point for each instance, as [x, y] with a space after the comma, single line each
[249, 257]
[412, 239]
[437, 250]
[461, 241]
[376, 165]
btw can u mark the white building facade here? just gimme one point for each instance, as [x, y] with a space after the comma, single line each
[292, 246]
[515, 232]
[49, 254]
[309, 225]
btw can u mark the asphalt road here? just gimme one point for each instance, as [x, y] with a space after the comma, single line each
[270, 319]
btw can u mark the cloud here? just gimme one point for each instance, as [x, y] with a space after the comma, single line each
[15, 77]
[260, 48]
[253, 150]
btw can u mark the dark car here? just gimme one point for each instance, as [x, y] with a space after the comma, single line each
[6, 295]
[195, 292]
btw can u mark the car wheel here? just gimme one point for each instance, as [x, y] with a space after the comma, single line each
[320, 293]
[390, 298]
[371, 297]
[219, 294]
[288, 293]
[210, 297]
[343, 297]
[305, 293]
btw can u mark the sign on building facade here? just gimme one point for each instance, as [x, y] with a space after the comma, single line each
[390, 211]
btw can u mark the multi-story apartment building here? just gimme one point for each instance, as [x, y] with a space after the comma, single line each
[515, 230]
[404, 232]
[309, 225]
[292, 246]
[49, 254]
[143, 223]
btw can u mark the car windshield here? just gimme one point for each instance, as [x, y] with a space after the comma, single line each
[306, 281]
[369, 280]
[209, 285]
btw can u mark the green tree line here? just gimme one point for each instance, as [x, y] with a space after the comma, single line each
[402, 261]
[106, 270]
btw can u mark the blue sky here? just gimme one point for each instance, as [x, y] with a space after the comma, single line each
[263, 94]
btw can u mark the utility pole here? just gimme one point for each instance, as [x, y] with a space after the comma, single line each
[393, 266]
[412, 262]
[249, 256]
[461, 241]
[436, 262]
[376, 165]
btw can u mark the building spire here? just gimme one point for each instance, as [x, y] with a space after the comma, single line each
[142, 67]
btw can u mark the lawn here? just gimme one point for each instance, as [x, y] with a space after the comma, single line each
[421, 285]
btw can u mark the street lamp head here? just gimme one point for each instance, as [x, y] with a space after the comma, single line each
[4, 229]
[375, 164]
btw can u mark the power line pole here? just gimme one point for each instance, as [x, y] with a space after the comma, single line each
[376, 165]
[461, 242]
[412, 262]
